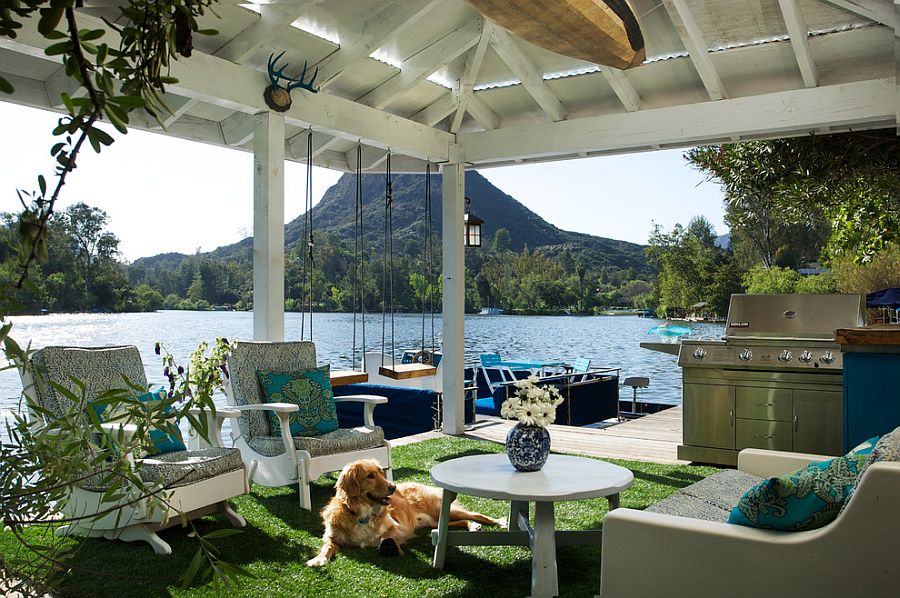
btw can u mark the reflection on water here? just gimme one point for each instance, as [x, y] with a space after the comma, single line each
[610, 341]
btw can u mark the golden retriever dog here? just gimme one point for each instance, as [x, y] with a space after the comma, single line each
[367, 510]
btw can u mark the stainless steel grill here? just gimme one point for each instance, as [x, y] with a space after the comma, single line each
[773, 381]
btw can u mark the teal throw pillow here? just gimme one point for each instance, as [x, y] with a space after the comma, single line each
[163, 441]
[311, 391]
[806, 499]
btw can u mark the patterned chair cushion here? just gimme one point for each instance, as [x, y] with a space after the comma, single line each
[179, 468]
[311, 391]
[99, 369]
[341, 440]
[243, 363]
[803, 500]
[887, 448]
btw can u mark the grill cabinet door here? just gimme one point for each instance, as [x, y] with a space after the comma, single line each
[709, 415]
[818, 422]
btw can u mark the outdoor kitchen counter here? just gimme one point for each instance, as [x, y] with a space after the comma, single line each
[881, 338]
[871, 380]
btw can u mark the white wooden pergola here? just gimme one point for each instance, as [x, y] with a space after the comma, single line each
[431, 80]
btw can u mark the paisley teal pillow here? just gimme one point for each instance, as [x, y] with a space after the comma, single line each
[806, 499]
[311, 391]
[163, 441]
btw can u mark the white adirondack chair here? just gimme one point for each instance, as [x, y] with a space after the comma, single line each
[275, 458]
[193, 482]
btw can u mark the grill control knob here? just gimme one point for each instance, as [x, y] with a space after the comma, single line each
[827, 358]
[745, 355]
[806, 356]
[785, 356]
[699, 353]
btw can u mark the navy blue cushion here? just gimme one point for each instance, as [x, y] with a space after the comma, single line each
[408, 410]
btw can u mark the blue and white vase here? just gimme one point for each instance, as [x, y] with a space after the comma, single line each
[528, 447]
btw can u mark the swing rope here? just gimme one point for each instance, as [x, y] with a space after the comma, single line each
[359, 279]
[429, 262]
[387, 271]
[306, 292]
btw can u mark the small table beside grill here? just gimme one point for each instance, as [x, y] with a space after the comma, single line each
[562, 478]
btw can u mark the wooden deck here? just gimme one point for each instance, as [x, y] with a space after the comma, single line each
[652, 438]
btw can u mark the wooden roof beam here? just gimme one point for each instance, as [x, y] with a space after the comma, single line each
[473, 66]
[438, 110]
[418, 67]
[273, 20]
[697, 48]
[874, 10]
[296, 146]
[358, 43]
[223, 83]
[623, 88]
[527, 73]
[799, 33]
[861, 104]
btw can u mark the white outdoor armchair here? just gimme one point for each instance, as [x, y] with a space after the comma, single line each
[275, 458]
[192, 482]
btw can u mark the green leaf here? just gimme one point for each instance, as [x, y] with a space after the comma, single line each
[103, 137]
[50, 18]
[57, 147]
[87, 35]
[222, 533]
[89, 47]
[6, 86]
[60, 48]
[191, 572]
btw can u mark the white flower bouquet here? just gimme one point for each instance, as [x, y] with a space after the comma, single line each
[532, 405]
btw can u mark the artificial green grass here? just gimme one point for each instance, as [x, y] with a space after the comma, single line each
[280, 537]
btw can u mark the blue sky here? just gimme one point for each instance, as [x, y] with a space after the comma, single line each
[164, 194]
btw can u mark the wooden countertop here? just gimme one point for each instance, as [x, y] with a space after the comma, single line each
[879, 334]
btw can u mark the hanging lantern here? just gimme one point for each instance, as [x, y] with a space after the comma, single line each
[471, 227]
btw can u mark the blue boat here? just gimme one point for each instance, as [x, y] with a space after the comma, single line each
[667, 330]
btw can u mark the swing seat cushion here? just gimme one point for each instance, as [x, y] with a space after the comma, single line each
[310, 390]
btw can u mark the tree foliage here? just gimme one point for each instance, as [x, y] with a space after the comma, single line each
[790, 196]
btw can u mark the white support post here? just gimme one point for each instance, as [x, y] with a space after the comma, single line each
[454, 191]
[268, 227]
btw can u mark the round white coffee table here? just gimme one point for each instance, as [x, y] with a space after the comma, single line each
[492, 476]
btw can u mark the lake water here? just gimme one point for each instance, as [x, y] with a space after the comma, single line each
[610, 341]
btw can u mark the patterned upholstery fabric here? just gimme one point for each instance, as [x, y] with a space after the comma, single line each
[100, 369]
[247, 358]
[803, 500]
[710, 499]
[311, 391]
[886, 449]
[180, 468]
[341, 440]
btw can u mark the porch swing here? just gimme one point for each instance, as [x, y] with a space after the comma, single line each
[423, 362]
[338, 377]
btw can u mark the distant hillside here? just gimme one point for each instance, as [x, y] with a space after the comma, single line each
[335, 213]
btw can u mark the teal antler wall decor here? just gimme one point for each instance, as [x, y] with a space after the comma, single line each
[278, 96]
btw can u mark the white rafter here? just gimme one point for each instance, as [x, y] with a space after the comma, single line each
[467, 81]
[223, 83]
[799, 33]
[296, 146]
[527, 73]
[437, 110]
[179, 105]
[697, 48]
[623, 88]
[874, 10]
[368, 36]
[418, 67]
[861, 104]
[237, 129]
[273, 20]
[483, 114]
